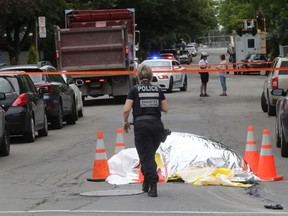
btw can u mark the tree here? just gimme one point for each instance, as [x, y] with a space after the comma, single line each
[275, 13]
[162, 23]
[17, 21]
[33, 56]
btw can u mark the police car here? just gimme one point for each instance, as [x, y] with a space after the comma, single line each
[163, 74]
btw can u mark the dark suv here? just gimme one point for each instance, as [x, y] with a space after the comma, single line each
[24, 106]
[59, 97]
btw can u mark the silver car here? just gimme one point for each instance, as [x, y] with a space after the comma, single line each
[276, 79]
[78, 94]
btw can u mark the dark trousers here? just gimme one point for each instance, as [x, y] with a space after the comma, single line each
[148, 134]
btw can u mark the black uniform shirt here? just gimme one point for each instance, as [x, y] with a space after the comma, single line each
[146, 99]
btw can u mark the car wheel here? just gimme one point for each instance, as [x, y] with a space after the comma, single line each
[184, 88]
[57, 121]
[271, 110]
[30, 135]
[277, 137]
[284, 146]
[5, 143]
[72, 118]
[170, 89]
[263, 103]
[81, 112]
[44, 131]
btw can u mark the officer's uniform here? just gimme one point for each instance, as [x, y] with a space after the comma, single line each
[148, 127]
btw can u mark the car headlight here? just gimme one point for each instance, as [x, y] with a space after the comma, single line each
[163, 77]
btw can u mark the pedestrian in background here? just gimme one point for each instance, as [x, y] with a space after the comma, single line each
[147, 102]
[203, 63]
[223, 74]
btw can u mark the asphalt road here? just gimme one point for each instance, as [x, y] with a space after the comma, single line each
[47, 177]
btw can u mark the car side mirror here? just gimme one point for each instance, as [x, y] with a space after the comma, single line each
[42, 91]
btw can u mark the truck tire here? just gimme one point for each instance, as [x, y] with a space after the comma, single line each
[5, 143]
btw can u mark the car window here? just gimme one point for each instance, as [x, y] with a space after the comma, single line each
[56, 78]
[284, 64]
[36, 78]
[6, 85]
[29, 85]
[158, 65]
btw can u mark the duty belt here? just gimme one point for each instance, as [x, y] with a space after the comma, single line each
[146, 117]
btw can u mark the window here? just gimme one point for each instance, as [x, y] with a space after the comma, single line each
[5, 85]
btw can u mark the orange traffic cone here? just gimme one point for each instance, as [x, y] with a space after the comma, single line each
[140, 175]
[266, 165]
[119, 145]
[101, 168]
[251, 155]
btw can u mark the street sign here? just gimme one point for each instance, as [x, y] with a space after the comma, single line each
[42, 21]
[42, 32]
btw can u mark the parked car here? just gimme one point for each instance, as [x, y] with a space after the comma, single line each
[167, 80]
[24, 106]
[256, 61]
[191, 48]
[78, 94]
[169, 54]
[59, 97]
[276, 79]
[4, 130]
[281, 121]
[185, 57]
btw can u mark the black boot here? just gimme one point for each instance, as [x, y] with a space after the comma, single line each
[153, 190]
[145, 187]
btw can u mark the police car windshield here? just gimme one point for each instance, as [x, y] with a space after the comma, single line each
[158, 65]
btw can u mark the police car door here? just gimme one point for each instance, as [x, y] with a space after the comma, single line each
[177, 67]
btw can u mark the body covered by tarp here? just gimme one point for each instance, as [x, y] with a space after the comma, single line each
[180, 153]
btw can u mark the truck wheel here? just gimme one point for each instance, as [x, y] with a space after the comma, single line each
[57, 121]
[170, 89]
[263, 103]
[30, 135]
[5, 143]
[44, 131]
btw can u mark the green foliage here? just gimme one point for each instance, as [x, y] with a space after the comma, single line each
[275, 12]
[33, 56]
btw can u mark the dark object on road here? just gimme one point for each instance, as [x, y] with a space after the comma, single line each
[275, 206]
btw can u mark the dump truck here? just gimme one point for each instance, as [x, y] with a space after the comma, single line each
[98, 48]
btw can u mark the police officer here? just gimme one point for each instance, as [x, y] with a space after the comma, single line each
[147, 102]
